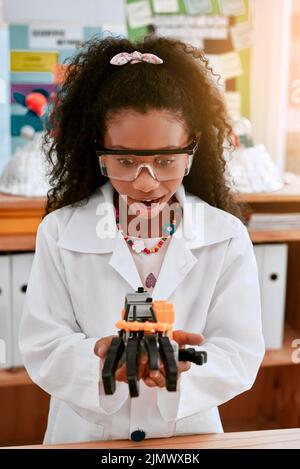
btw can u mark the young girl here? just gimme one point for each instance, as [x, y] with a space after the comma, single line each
[139, 199]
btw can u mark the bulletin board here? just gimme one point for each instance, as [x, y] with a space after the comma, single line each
[222, 28]
[37, 53]
[37, 38]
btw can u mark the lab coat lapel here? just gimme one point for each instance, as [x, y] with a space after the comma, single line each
[179, 259]
[177, 263]
[122, 261]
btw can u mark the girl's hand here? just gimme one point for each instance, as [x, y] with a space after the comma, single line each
[102, 346]
[151, 378]
[100, 350]
[158, 378]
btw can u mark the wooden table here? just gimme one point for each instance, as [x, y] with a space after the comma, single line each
[276, 439]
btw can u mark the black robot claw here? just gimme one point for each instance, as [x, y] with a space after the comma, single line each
[136, 338]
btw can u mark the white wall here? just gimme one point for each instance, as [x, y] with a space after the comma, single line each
[87, 12]
[1, 13]
[269, 75]
[4, 93]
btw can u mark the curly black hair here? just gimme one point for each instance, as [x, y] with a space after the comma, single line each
[94, 89]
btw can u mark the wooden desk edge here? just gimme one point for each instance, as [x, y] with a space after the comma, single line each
[283, 438]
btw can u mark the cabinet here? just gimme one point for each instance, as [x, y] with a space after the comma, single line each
[271, 263]
[14, 274]
[273, 400]
[5, 322]
[23, 405]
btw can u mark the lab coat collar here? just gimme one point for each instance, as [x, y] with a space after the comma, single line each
[201, 225]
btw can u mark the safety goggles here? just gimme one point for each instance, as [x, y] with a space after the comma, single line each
[163, 165]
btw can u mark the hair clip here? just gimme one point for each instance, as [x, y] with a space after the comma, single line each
[135, 57]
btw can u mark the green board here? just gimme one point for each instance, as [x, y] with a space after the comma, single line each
[242, 83]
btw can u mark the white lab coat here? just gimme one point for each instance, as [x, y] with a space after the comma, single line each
[75, 295]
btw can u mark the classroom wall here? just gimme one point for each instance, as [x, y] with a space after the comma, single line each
[293, 132]
[89, 12]
[18, 14]
[4, 84]
[112, 16]
[107, 13]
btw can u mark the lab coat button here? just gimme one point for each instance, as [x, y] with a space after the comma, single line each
[138, 435]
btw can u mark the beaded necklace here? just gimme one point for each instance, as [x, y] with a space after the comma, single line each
[139, 246]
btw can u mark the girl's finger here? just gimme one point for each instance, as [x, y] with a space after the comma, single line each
[187, 338]
[149, 382]
[162, 369]
[142, 366]
[183, 366]
[102, 345]
[158, 378]
[121, 374]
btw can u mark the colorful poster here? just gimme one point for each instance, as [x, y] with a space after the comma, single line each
[45, 36]
[192, 29]
[26, 88]
[32, 61]
[232, 7]
[226, 65]
[233, 101]
[198, 7]
[111, 29]
[19, 121]
[2, 91]
[165, 6]
[231, 66]
[59, 73]
[139, 14]
[241, 36]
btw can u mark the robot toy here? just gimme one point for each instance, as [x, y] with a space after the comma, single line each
[146, 327]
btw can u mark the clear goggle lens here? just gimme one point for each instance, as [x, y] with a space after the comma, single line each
[161, 168]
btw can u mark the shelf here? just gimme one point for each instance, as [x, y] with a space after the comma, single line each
[12, 202]
[14, 377]
[286, 200]
[251, 425]
[274, 236]
[19, 220]
[16, 243]
[290, 193]
[272, 197]
[282, 356]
